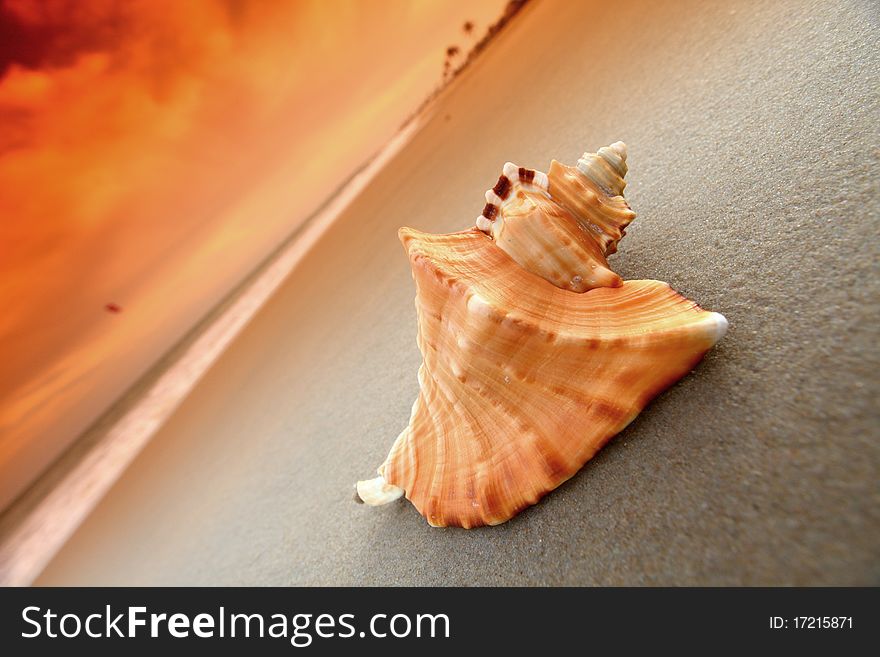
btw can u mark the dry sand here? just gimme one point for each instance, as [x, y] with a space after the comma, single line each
[753, 134]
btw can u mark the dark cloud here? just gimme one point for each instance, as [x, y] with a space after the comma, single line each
[28, 45]
[53, 33]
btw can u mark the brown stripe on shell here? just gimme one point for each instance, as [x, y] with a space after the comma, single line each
[502, 187]
[526, 175]
[490, 211]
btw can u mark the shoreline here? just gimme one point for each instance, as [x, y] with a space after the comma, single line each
[44, 516]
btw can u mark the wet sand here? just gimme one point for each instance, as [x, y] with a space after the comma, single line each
[753, 135]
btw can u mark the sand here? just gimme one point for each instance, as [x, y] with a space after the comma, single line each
[753, 134]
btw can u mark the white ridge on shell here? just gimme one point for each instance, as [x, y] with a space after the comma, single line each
[376, 492]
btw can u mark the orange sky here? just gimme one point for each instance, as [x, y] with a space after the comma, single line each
[151, 153]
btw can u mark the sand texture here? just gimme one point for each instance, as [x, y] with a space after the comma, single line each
[753, 151]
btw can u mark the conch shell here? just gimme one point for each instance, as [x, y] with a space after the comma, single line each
[535, 353]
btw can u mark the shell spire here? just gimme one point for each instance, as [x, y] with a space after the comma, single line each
[525, 379]
[607, 167]
[562, 225]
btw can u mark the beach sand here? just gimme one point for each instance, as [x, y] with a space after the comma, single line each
[753, 135]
